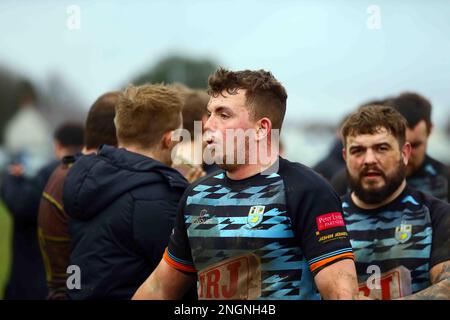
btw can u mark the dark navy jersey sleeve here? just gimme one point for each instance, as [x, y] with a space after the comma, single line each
[440, 220]
[317, 217]
[178, 253]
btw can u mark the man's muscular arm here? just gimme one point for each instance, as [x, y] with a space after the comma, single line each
[165, 283]
[440, 288]
[338, 281]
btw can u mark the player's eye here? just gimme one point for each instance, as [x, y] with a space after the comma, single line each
[383, 148]
[355, 151]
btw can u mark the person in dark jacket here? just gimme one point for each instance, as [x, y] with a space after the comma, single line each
[122, 201]
[53, 222]
[21, 196]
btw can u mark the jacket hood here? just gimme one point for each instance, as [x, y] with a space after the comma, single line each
[97, 180]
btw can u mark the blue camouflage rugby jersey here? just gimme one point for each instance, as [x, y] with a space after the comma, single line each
[264, 237]
[402, 240]
[432, 178]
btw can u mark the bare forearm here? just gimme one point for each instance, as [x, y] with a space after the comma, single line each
[438, 291]
[165, 283]
[149, 290]
[440, 288]
[345, 285]
[338, 281]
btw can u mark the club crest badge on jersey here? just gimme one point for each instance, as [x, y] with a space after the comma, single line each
[403, 232]
[255, 215]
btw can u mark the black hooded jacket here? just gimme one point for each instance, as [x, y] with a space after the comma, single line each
[122, 207]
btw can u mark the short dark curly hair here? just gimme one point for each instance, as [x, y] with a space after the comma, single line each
[264, 94]
[371, 119]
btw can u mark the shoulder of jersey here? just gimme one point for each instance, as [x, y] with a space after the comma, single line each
[303, 174]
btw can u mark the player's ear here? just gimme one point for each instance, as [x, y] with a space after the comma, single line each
[166, 140]
[406, 152]
[263, 128]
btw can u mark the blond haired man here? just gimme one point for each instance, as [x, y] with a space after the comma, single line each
[123, 200]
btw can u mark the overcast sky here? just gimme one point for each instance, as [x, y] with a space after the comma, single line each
[330, 55]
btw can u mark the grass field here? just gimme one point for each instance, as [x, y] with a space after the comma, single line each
[5, 245]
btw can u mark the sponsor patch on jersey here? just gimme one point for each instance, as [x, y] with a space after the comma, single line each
[329, 220]
[325, 238]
